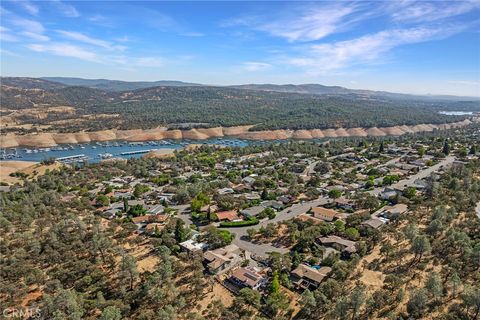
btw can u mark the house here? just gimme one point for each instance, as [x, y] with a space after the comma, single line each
[122, 194]
[241, 188]
[248, 277]
[226, 191]
[152, 228]
[142, 221]
[252, 196]
[399, 208]
[344, 203]
[286, 199]
[345, 246]
[324, 213]
[132, 203]
[158, 209]
[252, 211]
[191, 246]
[222, 259]
[373, 223]
[272, 204]
[249, 180]
[390, 212]
[308, 218]
[387, 194]
[112, 212]
[227, 216]
[306, 277]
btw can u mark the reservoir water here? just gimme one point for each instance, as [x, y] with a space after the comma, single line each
[95, 151]
[456, 113]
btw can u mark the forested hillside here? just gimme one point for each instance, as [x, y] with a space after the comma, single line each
[217, 106]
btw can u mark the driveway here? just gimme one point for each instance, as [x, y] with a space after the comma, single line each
[419, 175]
[241, 237]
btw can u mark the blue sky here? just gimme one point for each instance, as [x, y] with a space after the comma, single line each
[401, 46]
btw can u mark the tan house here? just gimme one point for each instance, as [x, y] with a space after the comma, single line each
[248, 277]
[324, 213]
[345, 246]
[305, 277]
[222, 259]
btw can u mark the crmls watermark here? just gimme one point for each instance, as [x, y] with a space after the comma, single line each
[26, 313]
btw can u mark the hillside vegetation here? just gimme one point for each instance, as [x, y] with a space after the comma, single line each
[217, 106]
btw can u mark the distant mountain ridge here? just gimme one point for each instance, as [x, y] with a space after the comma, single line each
[309, 88]
[318, 89]
[117, 85]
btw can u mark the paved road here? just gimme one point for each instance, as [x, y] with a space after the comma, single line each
[183, 213]
[477, 209]
[241, 237]
[419, 175]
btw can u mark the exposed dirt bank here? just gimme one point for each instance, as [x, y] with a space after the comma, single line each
[29, 168]
[53, 139]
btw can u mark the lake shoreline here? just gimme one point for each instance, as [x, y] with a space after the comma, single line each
[49, 139]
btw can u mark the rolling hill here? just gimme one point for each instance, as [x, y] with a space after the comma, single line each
[209, 106]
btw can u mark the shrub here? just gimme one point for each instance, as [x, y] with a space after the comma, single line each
[243, 223]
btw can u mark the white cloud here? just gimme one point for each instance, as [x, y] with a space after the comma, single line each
[255, 66]
[30, 28]
[66, 50]
[84, 38]
[5, 35]
[66, 9]
[28, 25]
[367, 49]
[306, 23]
[29, 7]
[314, 24]
[424, 11]
[89, 40]
[35, 36]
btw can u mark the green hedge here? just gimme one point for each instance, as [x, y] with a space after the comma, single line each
[244, 223]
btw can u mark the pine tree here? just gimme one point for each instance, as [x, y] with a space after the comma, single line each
[473, 150]
[446, 148]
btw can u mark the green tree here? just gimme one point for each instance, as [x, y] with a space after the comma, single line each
[420, 246]
[434, 285]
[381, 148]
[357, 298]
[334, 193]
[446, 148]
[111, 313]
[421, 151]
[471, 299]
[339, 226]
[473, 150]
[102, 200]
[128, 269]
[308, 303]
[417, 303]
[455, 283]
[275, 285]
[251, 232]
[352, 233]
[181, 233]
[410, 192]
[264, 195]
